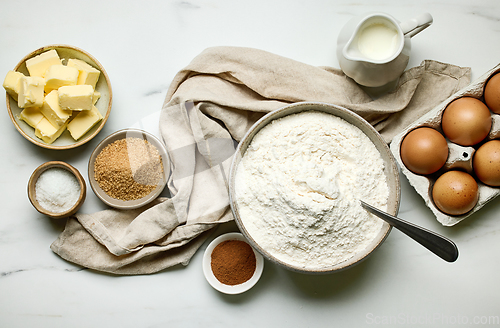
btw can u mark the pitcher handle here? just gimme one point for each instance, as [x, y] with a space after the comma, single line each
[416, 25]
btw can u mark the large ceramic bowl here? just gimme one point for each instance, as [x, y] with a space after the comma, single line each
[390, 170]
[65, 141]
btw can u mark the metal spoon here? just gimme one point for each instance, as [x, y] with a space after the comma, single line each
[439, 245]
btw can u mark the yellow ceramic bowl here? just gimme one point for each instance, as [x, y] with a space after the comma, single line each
[65, 141]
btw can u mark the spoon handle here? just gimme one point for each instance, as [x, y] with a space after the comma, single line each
[439, 245]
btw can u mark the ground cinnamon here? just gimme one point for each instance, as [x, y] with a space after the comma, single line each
[233, 262]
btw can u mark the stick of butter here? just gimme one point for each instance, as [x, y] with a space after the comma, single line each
[87, 74]
[38, 65]
[31, 115]
[96, 97]
[47, 132]
[76, 97]
[30, 91]
[11, 84]
[58, 76]
[52, 111]
[83, 122]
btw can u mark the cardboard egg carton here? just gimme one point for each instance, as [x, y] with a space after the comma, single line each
[459, 157]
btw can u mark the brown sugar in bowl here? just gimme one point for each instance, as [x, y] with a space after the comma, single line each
[147, 197]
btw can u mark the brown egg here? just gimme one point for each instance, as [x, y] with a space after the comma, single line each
[455, 192]
[424, 150]
[466, 121]
[492, 93]
[486, 163]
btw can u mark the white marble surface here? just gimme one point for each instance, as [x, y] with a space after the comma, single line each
[142, 44]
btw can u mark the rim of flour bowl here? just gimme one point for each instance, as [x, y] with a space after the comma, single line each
[390, 169]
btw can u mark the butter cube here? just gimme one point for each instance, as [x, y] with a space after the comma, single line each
[87, 74]
[47, 132]
[58, 76]
[38, 65]
[83, 122]
[52, 111]
[76, 97]
[96, 97]
[11, 84]
[31, 115]
[30, 92]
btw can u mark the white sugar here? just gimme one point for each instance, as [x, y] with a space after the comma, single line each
[57, 190]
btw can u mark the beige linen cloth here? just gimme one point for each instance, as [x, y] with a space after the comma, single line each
[214, 100]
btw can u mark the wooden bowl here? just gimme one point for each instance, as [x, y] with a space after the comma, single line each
[65, 141]
[32, 190]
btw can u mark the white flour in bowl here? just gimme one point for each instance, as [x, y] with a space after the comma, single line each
[298, 188]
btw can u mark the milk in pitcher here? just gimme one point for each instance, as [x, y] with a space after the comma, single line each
[378, 41]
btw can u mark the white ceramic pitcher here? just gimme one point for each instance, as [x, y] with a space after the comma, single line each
[374, 49]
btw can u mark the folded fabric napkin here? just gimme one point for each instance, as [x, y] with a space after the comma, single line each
[210, 104]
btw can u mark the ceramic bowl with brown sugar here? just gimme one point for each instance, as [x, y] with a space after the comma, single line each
[103, 104]
[114, 156]
[59, 195]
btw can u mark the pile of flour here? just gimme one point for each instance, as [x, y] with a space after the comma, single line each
[298, 188]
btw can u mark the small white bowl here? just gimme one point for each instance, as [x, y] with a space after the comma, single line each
[136, 203]
[230, 289]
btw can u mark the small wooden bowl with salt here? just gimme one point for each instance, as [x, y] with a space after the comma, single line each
[56, 189]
